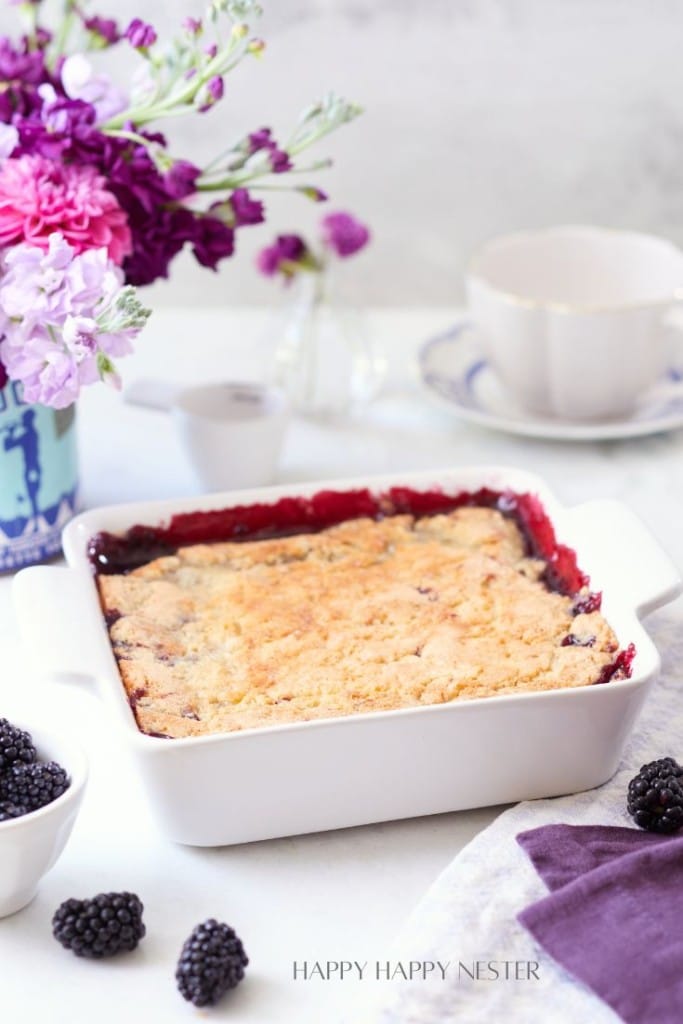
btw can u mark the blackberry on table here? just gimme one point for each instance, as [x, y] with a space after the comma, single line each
[9, 811]
[33, 785]
[212, 961]
[16, 746]
[107, 924]
[655, 796]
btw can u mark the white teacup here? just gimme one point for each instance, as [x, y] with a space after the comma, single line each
[574, 319]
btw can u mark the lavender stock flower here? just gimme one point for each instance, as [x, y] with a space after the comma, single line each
[81, 82]
[62, 316]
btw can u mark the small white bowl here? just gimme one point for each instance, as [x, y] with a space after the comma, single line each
[232, 431]
[31, 845]
[574, 319]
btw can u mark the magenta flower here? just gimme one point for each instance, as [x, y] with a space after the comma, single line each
[23, 66]
[213, 241]
[279, 161]
[181, 180]
[343, 234]
[39, 197]
[263, 140]
[245, 209]
[260, 139]
[105, 28]
[140, 34]
[210, 93]
[286, 253]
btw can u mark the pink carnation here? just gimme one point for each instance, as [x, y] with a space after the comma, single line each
[39, 197]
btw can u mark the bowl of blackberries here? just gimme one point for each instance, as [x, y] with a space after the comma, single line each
[42, 778]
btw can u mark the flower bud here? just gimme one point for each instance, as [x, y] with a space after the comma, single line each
[210, 93]
[140, 35]
[256, 47]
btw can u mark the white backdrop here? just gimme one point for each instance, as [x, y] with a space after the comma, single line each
[481, 116]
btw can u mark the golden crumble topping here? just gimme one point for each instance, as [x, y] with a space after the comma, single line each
[365, 616]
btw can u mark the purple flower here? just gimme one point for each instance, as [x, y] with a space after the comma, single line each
[213, 241]
[181, 180]
[105, 28]
[21, 72]
[279, 161]
[343, 234]
[263, 140]
[210, 93]
[42, 37]
[245, 209]
[23, 66]
[192, 26]
[277, 258]
[158, 237]
[260, 139]
[140, 34]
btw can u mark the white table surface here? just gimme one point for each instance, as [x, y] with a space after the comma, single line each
[327, 897]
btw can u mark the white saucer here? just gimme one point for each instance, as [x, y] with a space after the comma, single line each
[455, 370]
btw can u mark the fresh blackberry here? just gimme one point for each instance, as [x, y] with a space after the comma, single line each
[8, 811]
[15, 746]
[655, 796]
[211, 962]
[109, 923]
[33, 785]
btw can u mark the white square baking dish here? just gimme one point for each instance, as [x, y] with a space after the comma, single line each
[311, 776]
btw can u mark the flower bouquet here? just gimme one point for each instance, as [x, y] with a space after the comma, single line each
[94, 205]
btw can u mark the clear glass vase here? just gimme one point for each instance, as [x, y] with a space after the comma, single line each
[324, 359]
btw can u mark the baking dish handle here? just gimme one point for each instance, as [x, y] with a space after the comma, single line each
[616, 545]
[60, 629]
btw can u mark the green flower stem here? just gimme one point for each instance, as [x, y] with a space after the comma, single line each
[238, 180]
[221, 64]
[132, 136]
[65, 29]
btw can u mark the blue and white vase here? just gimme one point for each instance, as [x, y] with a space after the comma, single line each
[38, 478]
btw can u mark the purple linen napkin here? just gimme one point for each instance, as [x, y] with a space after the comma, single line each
[614, 916]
